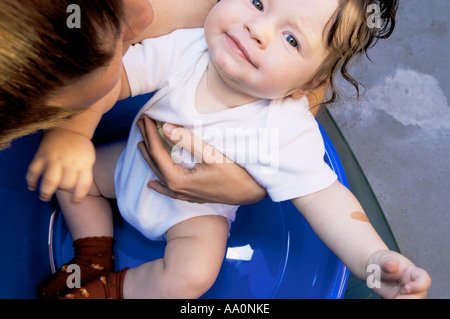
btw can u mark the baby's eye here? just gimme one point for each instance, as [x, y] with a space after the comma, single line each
[258, 5]
[290, 38]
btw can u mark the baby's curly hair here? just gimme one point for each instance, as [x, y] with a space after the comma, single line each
[351, 32]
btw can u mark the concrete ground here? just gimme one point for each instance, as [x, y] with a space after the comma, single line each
[400, 133]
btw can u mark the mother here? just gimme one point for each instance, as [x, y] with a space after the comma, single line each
[44, 60]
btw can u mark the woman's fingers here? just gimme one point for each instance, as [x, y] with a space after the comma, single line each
[145, 154]
[157, 157]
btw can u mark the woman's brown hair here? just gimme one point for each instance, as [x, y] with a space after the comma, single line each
[40, 53]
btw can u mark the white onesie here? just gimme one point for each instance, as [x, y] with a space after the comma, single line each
[278, 142]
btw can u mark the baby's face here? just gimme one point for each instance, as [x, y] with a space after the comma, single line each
[268, 48]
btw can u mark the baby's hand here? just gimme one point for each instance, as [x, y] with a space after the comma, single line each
[64, 160]
[399, 277]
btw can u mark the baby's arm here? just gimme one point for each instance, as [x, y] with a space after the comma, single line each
[66, 155]
[340, 222]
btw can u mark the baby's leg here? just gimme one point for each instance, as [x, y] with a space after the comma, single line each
[91, 226]
[192, 260]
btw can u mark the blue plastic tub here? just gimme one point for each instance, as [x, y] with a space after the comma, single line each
[272, 251]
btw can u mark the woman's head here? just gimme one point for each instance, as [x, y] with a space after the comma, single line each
[41, 56]
[356, 26]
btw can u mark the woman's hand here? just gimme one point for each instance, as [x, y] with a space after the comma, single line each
[214, 179]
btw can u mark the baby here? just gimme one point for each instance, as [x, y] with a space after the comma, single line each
[248, 70]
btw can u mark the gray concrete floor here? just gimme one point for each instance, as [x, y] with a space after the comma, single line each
[400, 133]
